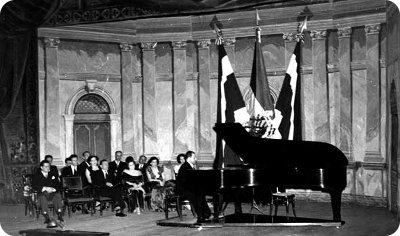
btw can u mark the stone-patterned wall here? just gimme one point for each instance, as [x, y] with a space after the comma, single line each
[168, 91]
[393, 83]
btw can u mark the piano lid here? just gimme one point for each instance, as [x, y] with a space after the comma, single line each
[265, 152]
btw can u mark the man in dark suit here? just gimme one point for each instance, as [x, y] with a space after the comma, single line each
[84, 164]
[47, 186]
[185, 187]
[117, 166]
[53, 168]
[107, 187]
[73, 169]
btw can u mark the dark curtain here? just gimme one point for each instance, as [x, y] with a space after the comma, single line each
[19, 20]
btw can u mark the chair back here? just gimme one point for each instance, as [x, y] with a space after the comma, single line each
[72, 183]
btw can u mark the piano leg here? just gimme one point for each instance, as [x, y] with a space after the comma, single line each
[218, 202]
[336, 198]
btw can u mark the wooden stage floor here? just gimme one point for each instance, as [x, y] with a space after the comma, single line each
[359, 220]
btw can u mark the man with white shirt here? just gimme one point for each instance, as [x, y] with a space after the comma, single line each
[47, 186]
[107, 187]
[117, 166]
[74, 169]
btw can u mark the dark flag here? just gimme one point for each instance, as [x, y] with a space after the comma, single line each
[259, 98]
[288, 103]
[231, 107]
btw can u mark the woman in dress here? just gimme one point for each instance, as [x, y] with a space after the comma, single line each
[93, 170]
[180, 159]
[155, 177]
[134, 181]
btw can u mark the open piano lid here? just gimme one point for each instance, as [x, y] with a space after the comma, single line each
[267, 152]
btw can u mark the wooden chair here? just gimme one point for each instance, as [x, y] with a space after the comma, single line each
[74, 193]
[31, 198]
[28, 194]
[101, 199]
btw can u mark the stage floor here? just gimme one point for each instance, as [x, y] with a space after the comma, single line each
[359, 220]
[249, 220]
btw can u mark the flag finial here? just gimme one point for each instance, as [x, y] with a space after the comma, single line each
[216, 25]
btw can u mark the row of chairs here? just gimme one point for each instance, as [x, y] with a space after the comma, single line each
[73, 194]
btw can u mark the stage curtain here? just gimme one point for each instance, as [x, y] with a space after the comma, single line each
[19, 20]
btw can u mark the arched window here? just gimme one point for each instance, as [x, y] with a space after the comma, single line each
[91, 104]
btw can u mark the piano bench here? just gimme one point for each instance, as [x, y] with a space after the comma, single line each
[283, 199]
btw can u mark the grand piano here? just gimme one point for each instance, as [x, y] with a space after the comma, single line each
[272, 162]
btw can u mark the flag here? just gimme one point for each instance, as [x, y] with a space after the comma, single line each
[230, 109]
[259, 98]
[288, 102]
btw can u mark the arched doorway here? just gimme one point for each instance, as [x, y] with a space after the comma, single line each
[91, 128]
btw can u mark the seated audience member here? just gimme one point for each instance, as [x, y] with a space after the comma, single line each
[128, 159]
[73, 169]
[68, 161]
[84, 165]
[53, 168]
[180, 159]
[117, 166]
[47, 185]
[156, 179]
[134, 182]
[142, 164]
[104, 181]
[85, 162]
[194, 195]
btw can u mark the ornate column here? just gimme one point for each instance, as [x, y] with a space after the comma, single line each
[373, 95]
[115, 138]
[179, 98]
[345, 131]
[290, 44]
[149, 99]
[205, 152]
[52, 96]
[69, 134]
[127, 100]
[229, 44]
[321, 108]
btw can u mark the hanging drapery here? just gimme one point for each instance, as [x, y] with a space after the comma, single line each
[19, 20]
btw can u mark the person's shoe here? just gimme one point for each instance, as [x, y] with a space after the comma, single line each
[85, 211]
[78, 208]
[120, 214]
[200, 220]
[46, 218]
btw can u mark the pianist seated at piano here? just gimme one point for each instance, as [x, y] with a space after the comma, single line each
[185, 187]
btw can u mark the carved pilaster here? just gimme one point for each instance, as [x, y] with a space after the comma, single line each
[51, 42]
[179, 44]
[372, 29]
[318, 34]
[229, 42]
[203, 43]
[290, 37]
[344, 32]
[125, 47]
[148, 45]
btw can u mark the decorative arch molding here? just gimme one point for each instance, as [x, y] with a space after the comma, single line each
[69, 108]
[69, 116]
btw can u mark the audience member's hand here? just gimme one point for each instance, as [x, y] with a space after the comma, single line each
[109, 184]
